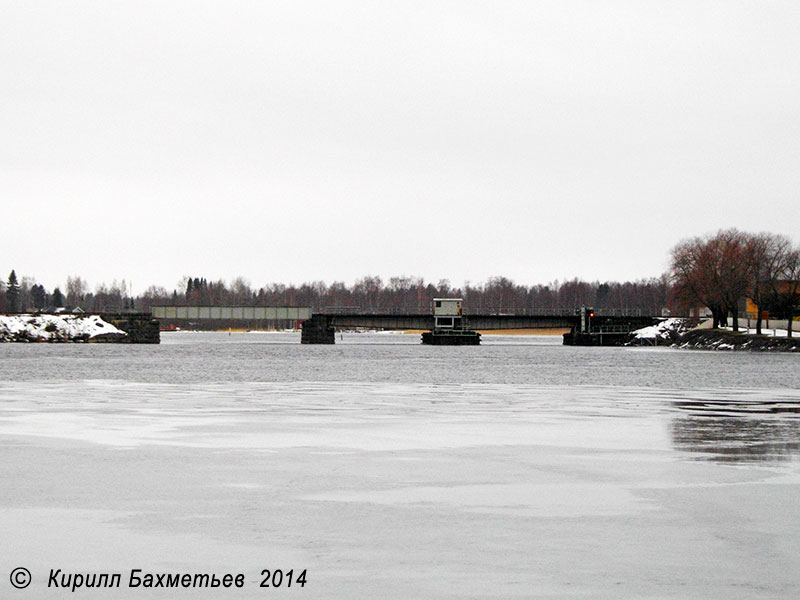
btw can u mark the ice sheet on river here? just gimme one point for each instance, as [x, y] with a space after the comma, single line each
[408, 490]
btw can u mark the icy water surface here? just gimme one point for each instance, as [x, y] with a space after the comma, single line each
[386, 469]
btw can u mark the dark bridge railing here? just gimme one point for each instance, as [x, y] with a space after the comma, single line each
[513, 312]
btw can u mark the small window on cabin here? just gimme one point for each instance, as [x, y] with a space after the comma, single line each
[438, 304]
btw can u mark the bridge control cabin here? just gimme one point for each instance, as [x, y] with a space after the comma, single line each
[447, 313]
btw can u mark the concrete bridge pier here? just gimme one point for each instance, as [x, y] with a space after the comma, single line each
[317, 330]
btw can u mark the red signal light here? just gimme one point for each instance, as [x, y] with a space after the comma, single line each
[591, 314]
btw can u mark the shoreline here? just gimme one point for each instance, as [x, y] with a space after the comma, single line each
[720, 339]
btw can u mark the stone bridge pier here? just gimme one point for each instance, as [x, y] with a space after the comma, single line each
[318, 330]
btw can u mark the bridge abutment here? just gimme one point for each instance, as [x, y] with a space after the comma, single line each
[141, 328]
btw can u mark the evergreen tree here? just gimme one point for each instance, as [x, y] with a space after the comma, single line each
[58, 298]
[39, 296]
[12, 293]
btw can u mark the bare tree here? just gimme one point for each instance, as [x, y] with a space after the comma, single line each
[241, 292]
[766, 255]
[693, 274]
[734, 281]
[77, 288]
[787, 289]
[153, 296]
[367, 290]
[25, 297]
[713, 272]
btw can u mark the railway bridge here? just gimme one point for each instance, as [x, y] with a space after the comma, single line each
[587, 327]
[447, 323]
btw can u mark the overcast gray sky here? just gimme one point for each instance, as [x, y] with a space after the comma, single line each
[296, 141]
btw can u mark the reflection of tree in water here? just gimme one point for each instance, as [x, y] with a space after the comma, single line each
[738, 431]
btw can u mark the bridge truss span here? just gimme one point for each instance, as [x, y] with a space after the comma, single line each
[321, 328]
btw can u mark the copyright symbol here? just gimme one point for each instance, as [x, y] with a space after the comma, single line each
[20, 578]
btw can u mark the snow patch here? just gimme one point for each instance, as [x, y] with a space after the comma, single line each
[56, 328]
[667, 330]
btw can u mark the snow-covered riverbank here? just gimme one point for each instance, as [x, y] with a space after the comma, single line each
[663, 333]
[718, 339]
[57, 328]
[679, 333]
